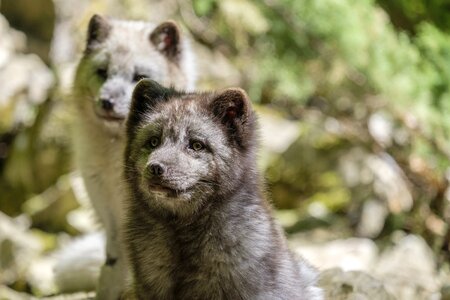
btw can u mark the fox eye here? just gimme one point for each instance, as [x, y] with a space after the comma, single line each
[137, 77]
[102, 73]
[197, 146]
[153, 142]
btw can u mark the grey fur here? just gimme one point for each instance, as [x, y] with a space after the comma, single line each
[117, 53]
[198, 225]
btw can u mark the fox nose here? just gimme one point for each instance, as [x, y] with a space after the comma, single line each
[156, 169]
[106, 104]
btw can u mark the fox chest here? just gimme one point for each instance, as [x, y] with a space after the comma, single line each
[200, 269]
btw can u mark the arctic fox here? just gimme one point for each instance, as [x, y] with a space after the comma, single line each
[197, 223]
[118, 54]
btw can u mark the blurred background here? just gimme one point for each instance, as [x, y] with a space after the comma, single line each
[354, 104]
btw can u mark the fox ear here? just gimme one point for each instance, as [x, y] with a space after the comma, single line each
[98, 30]
[233, 109]
[146, 94]
[231, 106]
[166, 38]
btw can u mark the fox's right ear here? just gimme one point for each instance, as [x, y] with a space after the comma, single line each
[98, 31]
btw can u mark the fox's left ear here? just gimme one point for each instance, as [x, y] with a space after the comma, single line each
[233, 108]
[146, 95]
[166, 38]
[231, 105]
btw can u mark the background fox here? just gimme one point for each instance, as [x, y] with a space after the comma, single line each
[118, 54]
[198, 225]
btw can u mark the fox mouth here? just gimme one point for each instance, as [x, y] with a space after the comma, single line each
[168, 191]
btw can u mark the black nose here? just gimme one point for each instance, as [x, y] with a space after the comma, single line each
[106, 104]
[156, 169]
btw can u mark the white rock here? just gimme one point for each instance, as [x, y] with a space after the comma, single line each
[19, 248]
[78, 263]
[372, 218]
[347, 254]
[40, 275]
[409, 269]
[352, 285]
[277, 134]
[381, 128]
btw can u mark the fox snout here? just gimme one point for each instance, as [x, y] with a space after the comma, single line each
[106, 104]
[106, 108]
[156, 173]
[156, 181]
[156, 169]
[113, 99]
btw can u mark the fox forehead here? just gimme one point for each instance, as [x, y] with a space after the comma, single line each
[128, 45]
[183, 119]
[130, 35]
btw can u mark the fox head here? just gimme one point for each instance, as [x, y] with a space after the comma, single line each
[120, 53]
[187, 150]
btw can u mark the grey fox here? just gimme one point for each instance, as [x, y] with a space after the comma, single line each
[197, 222]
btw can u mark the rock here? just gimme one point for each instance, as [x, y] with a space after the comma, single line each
[347, 254]
[40, 275]
[277, 134]
[409, 269]
[78, 262]
[381, 128]
[18, 248]
[372, 219]
[356, 285]
[390, 182]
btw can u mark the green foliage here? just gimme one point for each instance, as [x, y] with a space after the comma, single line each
[407, 14]
[349, 59]
[203, 7]
[345, 52]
